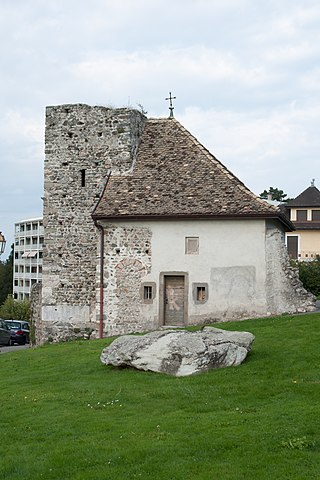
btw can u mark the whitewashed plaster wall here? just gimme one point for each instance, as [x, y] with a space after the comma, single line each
[243, 262]
[231, 261]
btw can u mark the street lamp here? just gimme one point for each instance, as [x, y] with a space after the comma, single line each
[2, 243]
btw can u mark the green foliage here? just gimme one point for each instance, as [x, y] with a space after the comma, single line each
[309, 274]
[73, 418]
[15, 309]
[276, 194]
[6, 277]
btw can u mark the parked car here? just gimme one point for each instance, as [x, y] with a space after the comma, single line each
[5, 334]
[19, 331]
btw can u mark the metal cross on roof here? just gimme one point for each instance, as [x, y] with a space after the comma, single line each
[171, 108]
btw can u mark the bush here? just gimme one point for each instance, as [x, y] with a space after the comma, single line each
[309, 274]
[15, 309]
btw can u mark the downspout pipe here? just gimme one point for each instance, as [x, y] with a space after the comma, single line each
[101, 282]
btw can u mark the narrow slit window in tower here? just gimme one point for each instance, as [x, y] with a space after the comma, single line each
[83, 178]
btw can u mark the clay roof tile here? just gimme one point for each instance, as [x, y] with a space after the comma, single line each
[174, 175]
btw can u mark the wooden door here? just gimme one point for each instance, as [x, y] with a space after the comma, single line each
[174, 293]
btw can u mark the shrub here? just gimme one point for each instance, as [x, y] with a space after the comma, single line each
[15, 309]
[309, 274]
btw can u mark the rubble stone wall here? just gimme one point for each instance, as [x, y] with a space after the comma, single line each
[127, 263]
[82, 144]
[284, 290]
[35, 312]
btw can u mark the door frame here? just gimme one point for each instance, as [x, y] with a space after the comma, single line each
[294, 234]
[162, 283]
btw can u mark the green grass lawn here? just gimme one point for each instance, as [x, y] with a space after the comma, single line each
[64, 415]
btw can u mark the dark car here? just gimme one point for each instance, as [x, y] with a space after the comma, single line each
[19, 331]
[5, 334]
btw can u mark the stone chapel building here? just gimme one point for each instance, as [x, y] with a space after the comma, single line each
[144, 228]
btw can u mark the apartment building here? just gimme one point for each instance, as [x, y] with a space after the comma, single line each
[28, 246]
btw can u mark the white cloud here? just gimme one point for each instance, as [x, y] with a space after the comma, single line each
[290, 53]
[245, 74]
[196, 64]
[310, 81]
[14, 127]
[288, 21]
[262, 150]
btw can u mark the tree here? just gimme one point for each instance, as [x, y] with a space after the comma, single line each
[6, 277]
[15, 309]
[276, 194]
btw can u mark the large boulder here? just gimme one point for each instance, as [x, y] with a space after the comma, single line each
[179, 352]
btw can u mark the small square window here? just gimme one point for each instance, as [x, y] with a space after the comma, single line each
[147, 292]
[200, 292]
[192, 246]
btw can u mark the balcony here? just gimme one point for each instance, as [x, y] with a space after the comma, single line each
[308, 255]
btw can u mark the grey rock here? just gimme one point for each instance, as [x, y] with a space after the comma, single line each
[179, 352]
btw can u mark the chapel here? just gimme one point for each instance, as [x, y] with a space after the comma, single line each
[144, 228]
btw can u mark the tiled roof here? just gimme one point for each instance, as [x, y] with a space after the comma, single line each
[174, 175]
[308, 198]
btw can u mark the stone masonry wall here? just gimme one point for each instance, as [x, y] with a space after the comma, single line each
[284, 291]
[35, 312]
[82, 144]
[127, 262]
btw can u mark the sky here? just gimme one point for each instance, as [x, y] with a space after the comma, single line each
[245, 74]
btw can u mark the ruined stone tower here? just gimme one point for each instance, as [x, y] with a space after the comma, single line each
[82, 144]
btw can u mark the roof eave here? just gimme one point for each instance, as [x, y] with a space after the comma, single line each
[287, 224]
